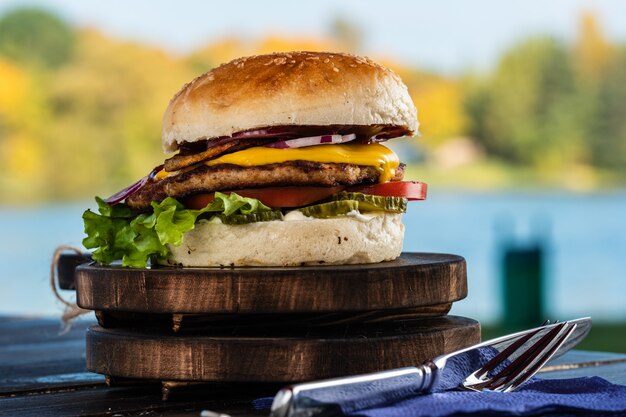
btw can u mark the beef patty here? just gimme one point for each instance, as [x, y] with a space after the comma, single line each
[206, 179]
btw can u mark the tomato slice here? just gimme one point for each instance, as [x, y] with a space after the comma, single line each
[277, 197]
[286, 197]
[412, 190]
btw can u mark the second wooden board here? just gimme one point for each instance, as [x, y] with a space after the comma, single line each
[291, 354]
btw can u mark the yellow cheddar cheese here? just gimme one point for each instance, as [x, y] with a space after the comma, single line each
[376, 155]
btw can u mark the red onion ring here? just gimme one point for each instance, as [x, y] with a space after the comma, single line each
[367, 134]
[133, 188]
[312, 141]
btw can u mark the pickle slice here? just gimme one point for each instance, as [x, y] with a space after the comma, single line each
[331, 209]
[262, 216]
[369, 202]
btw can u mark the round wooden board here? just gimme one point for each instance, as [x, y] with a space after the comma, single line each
[295, 355]
[413, 280]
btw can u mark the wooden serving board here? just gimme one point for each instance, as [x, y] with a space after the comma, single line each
[413, 280]
[293, 354]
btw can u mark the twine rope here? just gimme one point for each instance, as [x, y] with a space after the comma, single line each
[72, 310]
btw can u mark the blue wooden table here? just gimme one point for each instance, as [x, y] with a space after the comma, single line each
[42, 373]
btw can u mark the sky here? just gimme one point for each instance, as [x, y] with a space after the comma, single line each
[444, 35]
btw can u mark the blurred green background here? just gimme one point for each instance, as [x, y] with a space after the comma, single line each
[550, 112]
[81, 108]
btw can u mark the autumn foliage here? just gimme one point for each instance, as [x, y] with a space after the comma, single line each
[80, 112]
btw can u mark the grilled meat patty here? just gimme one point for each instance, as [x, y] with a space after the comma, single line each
[206, 179]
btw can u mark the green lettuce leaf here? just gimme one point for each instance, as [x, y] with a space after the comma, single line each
[116, 233]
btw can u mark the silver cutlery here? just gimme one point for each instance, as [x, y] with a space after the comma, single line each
[501, 364]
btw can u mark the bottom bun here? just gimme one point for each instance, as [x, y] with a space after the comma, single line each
[345, 240]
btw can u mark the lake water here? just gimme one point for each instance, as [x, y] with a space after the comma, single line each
[584, 236]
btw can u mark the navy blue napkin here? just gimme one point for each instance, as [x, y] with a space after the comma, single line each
[576, 396]
[588, 396]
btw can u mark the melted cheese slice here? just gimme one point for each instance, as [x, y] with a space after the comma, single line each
[376, 155]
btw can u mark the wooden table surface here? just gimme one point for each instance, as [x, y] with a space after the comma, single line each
[42, 373]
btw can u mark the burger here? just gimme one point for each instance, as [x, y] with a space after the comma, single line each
[277, 160]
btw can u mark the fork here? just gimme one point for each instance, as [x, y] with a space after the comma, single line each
[528, 363]
[501, 364]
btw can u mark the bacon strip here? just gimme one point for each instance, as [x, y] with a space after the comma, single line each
[180, 161]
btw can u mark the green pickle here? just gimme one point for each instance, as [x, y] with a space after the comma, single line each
[331, 209]
[262, 216]
[342, 203]
[345, 202]
[369, 202]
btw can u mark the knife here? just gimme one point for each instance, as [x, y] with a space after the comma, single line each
[446, 372]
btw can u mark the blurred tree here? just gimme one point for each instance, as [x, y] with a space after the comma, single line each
[107, 109]
[477, 103]
[347, 34]
[216, 53]
[35, 37]
[439, 105]
[607, 123]
[592, 52]
[601, 75]
[230, 48]
[286, 44]
[13, 89]
[22, 117]
[527, 111]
